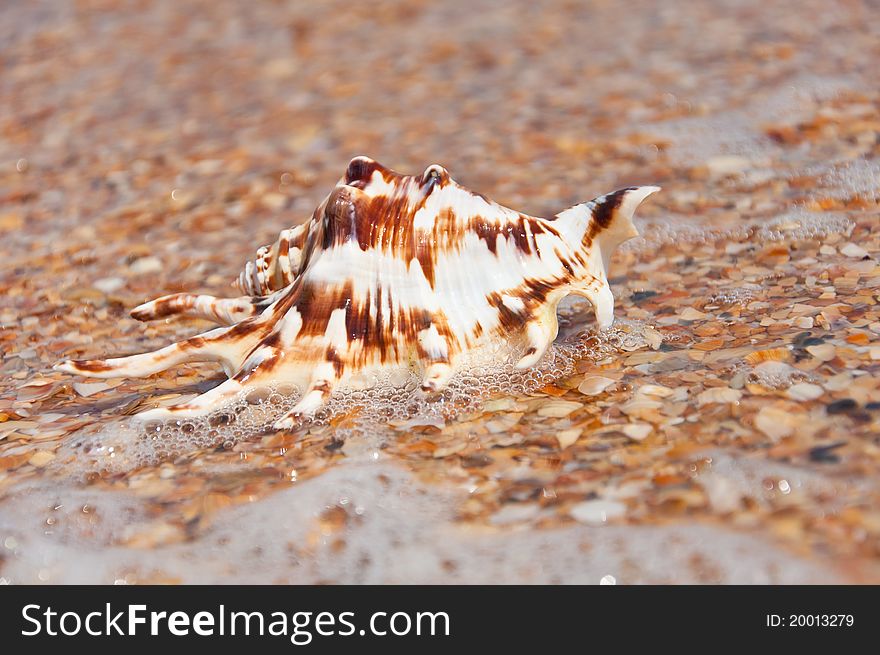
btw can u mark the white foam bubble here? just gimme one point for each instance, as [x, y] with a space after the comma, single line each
[776, 375]
[740, 296]
[392, 395]
[855, 180]
[798, 224]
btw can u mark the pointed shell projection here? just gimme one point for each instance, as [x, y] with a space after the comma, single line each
[391, 270]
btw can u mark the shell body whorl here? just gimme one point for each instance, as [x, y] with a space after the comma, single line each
[391, 270]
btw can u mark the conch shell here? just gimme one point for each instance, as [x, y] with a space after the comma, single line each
[391, 270]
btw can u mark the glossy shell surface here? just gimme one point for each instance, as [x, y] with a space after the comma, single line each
[391, 270]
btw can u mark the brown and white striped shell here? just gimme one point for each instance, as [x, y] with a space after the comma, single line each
[390, 271]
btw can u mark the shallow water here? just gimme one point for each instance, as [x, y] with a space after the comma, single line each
[724, 431]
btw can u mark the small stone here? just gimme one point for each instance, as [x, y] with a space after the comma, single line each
[804, 322]
[41, 458]
[824, 352]
[475, 460]
[719, 395]
[874, 352]
[86, 389]
[691, 314]
[653, 337]
[109, 284]
[721, 493]
[498, 405]
[593, 385]
[558, 408]
[805, 391]
[775, 423]
[724, 165]
[656, 390]
[852, 250]
[838, 382]
[842, 406]
[515, 513]
[597, 512]
[280, 68]
[145, 265]
[568, 437]
[274, 201]
[825, 454]
[640, 406]
[637, 431]
[440, 453]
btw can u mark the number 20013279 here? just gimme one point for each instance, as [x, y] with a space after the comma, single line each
[810, 620]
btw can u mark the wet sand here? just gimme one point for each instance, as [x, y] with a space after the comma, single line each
[726, 430]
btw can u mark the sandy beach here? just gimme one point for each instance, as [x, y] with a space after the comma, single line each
[726, 429]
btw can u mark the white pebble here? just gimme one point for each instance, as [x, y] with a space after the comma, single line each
[691, 314]
[86, 389]
[719, 395]
[597, 512]
[515, 513]
[637, 431]
[558, 408]
[724, 165]
[805, 391]
[568, 437]
[108, 284]
[593, 385]
[852, 250]
[824, 352]
[146, 265]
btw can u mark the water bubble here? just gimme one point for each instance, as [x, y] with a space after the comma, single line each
[392, 394]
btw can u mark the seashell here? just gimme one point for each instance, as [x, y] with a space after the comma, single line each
[391, 271]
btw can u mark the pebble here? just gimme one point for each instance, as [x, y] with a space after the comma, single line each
[109, 284]
[41, 458]
[593, 385]
[86, 389]
[776, 423]
[515, 513]
[722, 493]
[652, 337]
[805, 391]
[842, 406]
[637, 431]
[719, 395]
[146, 265]
[853, 250]
[640, 406]
[568, 437]
[691, 314]
[723, 165]
[446, 451]
[656, 390]
[597, 512]
[824, 352]
[558, 408]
